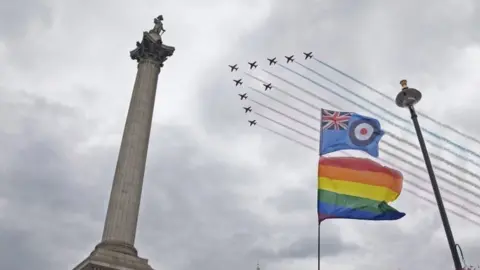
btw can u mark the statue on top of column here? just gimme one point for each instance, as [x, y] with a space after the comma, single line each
[151, 46]
[158, 28]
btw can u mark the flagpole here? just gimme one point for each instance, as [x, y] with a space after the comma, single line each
[408, 97]
[318, 250]
[319, 156]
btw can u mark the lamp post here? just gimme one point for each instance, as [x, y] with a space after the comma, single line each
[408, 97]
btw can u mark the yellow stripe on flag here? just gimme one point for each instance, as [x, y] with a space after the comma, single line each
[376, 193]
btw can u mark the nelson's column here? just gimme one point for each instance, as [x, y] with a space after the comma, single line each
[116, 251]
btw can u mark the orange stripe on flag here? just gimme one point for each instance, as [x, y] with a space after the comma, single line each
[394, 182]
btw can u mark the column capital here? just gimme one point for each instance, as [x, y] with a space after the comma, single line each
[151, 47]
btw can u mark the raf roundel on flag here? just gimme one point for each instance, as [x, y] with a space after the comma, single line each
[349, 131]
[363, 132]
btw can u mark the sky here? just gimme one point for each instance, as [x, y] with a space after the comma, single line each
[217, 193]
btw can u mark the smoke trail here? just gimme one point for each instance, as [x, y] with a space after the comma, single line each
[387, 133]
[353, 79]
[421, 160]
[255, 77]
[391, 99]
[455, 213]
[387, 120]
[429, 191]
[393, 146]
[366, 109]
[286, 115]
[287, 127]
[346, 89]
[286, 93]
[447, 191]
[446, 199]
[453, 183]
[396, 116]
[288, 138]
[411, 191]
[285, 104]
[436, 156]
[453, 203]
[418, 167]
[434, 166]
[299, 88]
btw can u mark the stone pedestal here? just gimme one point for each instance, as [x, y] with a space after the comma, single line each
[106, 259]
[116, 251]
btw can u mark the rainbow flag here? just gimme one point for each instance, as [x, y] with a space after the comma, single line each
[357, 188]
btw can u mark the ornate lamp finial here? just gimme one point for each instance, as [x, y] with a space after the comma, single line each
[408, 96]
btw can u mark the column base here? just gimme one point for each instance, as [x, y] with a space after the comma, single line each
[118, 246]
[113, 256]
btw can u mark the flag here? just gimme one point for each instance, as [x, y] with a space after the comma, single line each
[346, 130]
[357, 188]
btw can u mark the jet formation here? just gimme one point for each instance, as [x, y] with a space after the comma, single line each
[238, 82]
[271, 61]
[232, 68]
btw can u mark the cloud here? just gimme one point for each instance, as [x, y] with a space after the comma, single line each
[23, 16]
[38, 179]
[192, 198]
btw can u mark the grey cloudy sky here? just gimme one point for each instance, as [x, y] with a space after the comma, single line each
[217, 193]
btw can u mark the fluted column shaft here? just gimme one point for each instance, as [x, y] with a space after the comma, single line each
[122, 214]
[116, 250]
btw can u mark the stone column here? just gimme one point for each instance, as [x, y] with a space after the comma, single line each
[116, 250]
[122, 214]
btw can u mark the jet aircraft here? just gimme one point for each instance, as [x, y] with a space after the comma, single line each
[308, 55]
[243, 96]
[253, 65]
[238, 82]
[252, 122]
[289, 58]
[247, 109]
[232, 68]
[272, 61]
[267, 86]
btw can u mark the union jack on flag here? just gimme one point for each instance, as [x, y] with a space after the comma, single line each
[333, 120]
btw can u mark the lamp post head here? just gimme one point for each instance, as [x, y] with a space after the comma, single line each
[408, 96]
